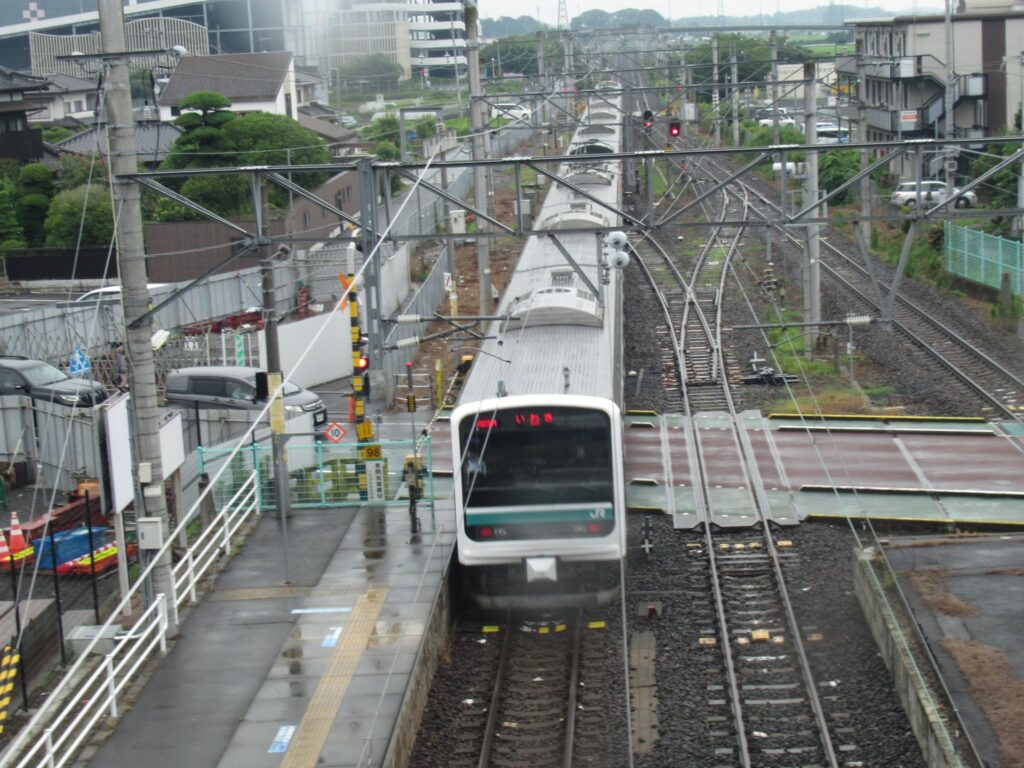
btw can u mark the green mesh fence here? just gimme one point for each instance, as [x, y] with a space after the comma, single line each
[324, 474]
[983, 258]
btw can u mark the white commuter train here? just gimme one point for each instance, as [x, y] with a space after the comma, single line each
[537, 434]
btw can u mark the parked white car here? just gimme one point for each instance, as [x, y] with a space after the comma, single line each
[931, 193]
[515, 112]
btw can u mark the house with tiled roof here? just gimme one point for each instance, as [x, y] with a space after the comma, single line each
[153, 140]
[252, 82]
[19, 96]
[66, 97]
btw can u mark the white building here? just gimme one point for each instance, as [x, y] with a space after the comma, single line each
[263, 82]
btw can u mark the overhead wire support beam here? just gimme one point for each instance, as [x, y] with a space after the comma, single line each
[582, 192]
[720, 185]
[249, 246]
[848, 183]
[451, 198]
[576, 267]
[168, 192]
[316, 200]
[1014, 158]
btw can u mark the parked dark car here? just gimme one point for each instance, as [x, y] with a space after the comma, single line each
[42, 381]
[226, 386]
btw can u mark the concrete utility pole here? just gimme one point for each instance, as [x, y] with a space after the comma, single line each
[477, 126]
[862, 138]
[735, 70]
[716, 98]
[812, 266]
[949, 154]
[131, 264]
[1020, 179]
[775, 88]
[543, 108]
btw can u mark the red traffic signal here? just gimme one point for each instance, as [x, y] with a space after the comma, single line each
[673, 128]
[362, 362]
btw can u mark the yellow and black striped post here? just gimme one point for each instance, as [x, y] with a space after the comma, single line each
[360, 383]
[9, 662]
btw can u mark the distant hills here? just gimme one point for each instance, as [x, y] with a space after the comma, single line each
[507, 26]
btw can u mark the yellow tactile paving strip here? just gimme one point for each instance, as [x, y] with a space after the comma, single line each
[304, 751]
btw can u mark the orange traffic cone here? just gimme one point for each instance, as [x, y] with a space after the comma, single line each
[17, 537]
[5, 553]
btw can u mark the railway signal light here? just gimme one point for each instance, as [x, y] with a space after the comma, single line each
[673, 128]
[648, 118]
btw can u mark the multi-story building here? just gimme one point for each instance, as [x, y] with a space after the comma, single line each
[899, 71]
[321, 33]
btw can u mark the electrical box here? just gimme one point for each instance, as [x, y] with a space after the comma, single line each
[145, 472]
[151, 533]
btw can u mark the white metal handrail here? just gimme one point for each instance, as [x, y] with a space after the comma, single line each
[89, 690]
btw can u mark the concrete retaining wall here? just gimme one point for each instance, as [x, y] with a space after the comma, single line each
[436, 642]
[925, 720]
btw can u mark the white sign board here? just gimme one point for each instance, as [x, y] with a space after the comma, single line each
[375, 481]
[119, 451]
[172, 445]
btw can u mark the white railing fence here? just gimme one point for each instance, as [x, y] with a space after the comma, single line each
[93, 685]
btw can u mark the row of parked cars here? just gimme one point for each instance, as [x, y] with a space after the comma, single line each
[201, 386]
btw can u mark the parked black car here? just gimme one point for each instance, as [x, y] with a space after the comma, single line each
[42, 381]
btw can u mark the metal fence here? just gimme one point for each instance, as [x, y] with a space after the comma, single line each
[322, 474]
[984, 258]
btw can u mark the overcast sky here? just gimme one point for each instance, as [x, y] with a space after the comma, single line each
[547, 10]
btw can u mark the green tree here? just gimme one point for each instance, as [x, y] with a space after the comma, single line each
[11, 234]
[835, 168]
[227, 194]
[35, 189]
[999, 190]
[377, 68]
[426, 128]
[56, 133]
[753, 59]
[386, 151]
[65, 218]
[382, 129]
[9, 169]
[214, 138]
[76, 170]
[202, 143]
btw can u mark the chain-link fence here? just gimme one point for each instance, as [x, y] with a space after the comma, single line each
[984, 258]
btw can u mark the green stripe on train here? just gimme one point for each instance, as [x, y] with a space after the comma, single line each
[595, 514]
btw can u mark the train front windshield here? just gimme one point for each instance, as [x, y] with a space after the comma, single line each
[537, 472]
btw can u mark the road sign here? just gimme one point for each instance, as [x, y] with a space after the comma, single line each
[79, 363]
[335, 432]
[447, 282]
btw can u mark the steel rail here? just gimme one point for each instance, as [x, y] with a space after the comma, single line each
[919, 314]
[499, 683]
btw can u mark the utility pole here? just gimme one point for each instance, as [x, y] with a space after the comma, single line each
[543, 109]
[1020, 179]
[131, 264]
[735, 98]
[477, 126]
[948, 155]
[812, 266]
[716, 105]
[862, 138]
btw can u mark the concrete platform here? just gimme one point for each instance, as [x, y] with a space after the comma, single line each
[311, 670]
[984, 572]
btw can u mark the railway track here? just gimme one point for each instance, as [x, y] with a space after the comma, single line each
[977, 373]
[760, 690]
[536, 697]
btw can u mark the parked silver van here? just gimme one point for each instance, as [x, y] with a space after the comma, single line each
[225, 386]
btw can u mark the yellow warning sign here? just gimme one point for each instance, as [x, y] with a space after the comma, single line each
[364, 430]
[370, 452]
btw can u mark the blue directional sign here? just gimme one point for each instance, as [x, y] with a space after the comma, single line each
[79, 363]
